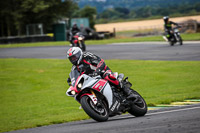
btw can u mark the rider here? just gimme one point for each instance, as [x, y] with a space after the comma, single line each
[73, 31]
[89, 63]
[168, 27]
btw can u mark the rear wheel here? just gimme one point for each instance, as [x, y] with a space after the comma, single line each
[139, 107]
[180, 40]
[98, 112]
[171, 42]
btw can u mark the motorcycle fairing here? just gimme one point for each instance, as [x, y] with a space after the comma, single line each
[107, 92]
[75, 41]
[97, 84]
[104, 87]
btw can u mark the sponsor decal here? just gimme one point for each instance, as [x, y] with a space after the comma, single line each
[99, 85]
[114, 105]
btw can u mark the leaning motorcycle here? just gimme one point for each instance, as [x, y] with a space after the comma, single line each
[100, 100]
[175, 37]
[78, 41]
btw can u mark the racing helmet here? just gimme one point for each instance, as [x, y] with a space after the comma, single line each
[75, 55]
[165, 18]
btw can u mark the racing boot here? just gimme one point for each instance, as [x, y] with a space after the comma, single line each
[128, 92]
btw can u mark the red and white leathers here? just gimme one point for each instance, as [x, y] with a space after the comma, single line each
[91, 63]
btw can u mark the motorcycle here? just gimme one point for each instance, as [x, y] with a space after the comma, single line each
[176, 37]
[78, 41]
[100, 100]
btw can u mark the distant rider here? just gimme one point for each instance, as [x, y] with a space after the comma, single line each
[168, 27]
[73, 32]
[89, 63]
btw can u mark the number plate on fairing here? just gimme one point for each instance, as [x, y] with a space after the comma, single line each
[99, 85]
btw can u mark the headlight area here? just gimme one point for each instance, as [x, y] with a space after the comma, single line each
[80, 84]
[71, 93]
[80, 38]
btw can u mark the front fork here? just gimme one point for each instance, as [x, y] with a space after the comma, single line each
[93, 97]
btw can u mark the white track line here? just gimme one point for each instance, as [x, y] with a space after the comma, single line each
[173, 111]
[170, 111]
[155, 42]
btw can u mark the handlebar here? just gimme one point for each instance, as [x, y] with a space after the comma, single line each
[177, 27]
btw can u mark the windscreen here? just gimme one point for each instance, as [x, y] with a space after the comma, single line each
[73, 76]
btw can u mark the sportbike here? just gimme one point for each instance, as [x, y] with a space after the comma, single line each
[78, 41]
[175, 37]
[100, 100]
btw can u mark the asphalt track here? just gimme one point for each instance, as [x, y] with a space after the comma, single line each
[185, 119]
[135, 51]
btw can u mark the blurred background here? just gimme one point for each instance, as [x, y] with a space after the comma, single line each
[50, 20]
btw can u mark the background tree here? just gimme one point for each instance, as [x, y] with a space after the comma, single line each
[87, 12]
[90, 13]
[16, 14]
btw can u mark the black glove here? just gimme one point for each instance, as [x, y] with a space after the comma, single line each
[95, 74]
[69, 81]
[98, 71]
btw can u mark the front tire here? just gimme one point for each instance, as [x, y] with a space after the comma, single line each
[138, 108]
[83, 47]
[98, 113]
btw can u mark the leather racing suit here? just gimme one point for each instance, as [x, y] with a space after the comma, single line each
[92, 64]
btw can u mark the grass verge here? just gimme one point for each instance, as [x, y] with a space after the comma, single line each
[32, 91]
[186, 37]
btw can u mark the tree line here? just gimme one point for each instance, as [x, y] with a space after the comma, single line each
[122, 13]
[16, 14]
[101, 5]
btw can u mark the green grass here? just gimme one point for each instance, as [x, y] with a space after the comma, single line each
[32, 91]
[186, 37]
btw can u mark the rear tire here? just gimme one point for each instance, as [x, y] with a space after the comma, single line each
[171, 42]
[180, 40]
[138, 108]
[99, 114]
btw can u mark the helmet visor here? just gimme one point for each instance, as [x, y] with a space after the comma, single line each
[74, 58]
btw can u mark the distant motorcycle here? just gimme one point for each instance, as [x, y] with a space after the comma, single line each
[176, 37]
[78, 41]
[100, 100]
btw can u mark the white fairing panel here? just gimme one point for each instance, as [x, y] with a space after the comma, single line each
[88, 81]
[107, 92]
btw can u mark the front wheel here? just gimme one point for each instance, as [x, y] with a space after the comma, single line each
[83, 47]
[139, 107]
[97, 112]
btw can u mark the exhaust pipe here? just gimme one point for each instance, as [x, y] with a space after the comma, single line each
[165, 38]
